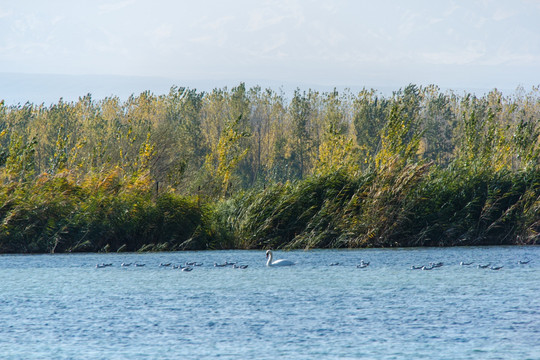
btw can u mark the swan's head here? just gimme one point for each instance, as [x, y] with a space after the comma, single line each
[268, 253]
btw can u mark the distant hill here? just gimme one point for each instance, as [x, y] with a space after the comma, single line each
[42, 88]
[49, 88]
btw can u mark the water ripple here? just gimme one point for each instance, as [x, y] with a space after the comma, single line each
[63, 307]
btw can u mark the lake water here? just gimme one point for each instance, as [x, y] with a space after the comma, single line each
[63, 307]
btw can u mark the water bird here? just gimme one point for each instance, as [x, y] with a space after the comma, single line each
[164, 264]
[427, 267]
[523, 262]
[334, 264]
[416, 267]
[194, 263]
[187, 269]
[436, 265]
[465, 264]
[100, 266]
[220, 265]
[496, 267]
[126, 264]
[239, 266]
[362, 264]
[280, 262]
[484, 266]
[139, 265]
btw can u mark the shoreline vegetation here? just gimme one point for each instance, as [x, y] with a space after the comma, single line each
[252, 169]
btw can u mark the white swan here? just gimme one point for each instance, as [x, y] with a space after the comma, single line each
[280, 262]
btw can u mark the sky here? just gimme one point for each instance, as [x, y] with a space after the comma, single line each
[469, 44]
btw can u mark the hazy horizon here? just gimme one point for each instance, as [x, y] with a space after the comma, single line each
[50, 88]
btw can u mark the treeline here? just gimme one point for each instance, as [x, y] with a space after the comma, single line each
[251, 168]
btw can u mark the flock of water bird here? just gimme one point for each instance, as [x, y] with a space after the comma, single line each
[189, 266]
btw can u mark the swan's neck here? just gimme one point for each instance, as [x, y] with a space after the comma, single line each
[269, 262]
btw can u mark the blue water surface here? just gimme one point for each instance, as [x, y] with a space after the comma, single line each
[63, 307]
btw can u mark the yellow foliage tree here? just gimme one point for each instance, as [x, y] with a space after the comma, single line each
[229, 152]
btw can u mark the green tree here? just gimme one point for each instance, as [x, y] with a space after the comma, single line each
[438, 122]
[400, 138]
[370, 113]
[300, 114]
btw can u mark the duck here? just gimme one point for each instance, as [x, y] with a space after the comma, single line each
[484, 266]
[165, 264]
[220, 265]
[362, 264]
[239, 266]
[103, 265]
[496, 267]
[465, 263]
[187, 269]
[126, 264]
[523, 262]
[334, 264]
[280, 262]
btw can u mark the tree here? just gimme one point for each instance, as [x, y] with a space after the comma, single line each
[369, 118]
[300, 114]
[400, 138]
[229, 152]
[337, 151]
[438, 123]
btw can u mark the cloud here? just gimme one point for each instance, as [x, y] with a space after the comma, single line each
[215, 24]
[262, 19]
[201, 39]
[114, 6]
[57, 20]
[503, 14]
[5, 13]
[272, 48]
[410, 23]
[275, 13]
[164, 31]
[470, 54]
